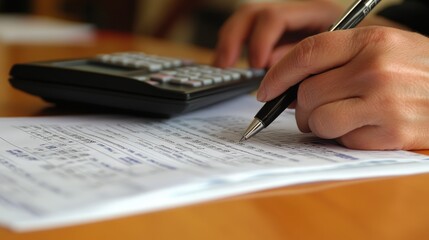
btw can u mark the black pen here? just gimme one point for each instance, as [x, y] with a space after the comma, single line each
[272, 109]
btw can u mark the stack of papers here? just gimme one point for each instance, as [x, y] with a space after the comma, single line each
[58, 171]
[38, 29]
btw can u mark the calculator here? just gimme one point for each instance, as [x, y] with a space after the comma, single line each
[134, 81]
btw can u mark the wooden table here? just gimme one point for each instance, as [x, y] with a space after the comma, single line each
[388, 208]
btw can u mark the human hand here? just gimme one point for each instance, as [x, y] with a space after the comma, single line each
[368, 87]
[271, 29]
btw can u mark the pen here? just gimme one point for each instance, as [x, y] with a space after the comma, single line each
[272, 109]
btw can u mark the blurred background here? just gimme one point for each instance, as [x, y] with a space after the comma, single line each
[191, 21]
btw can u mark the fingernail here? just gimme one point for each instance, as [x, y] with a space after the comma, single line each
[262, 94]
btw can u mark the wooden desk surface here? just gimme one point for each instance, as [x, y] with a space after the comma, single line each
[389, 208]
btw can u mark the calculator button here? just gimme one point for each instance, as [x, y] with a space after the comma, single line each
[190, 68]
[174, 71]
[151, 67]
[207, 67]
[161, 77]
[103, 58]
[234, 75]
[153, 83]
[174, 62]
[205, 81]
[192, 83]
[179, 80]
[164, 64]
[226, 78]
[195, 73]
[187, 62]
[216, 79]
[243, 72]
[127, 64]
[115, 60]
[188, 75]
[258, 72]
[169, 72]
[141, 78]
[206, 71]
[182, 71]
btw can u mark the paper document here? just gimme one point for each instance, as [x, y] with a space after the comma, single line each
[16, 28]
[57, 171]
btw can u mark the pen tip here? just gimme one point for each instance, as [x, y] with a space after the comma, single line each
[242, 139]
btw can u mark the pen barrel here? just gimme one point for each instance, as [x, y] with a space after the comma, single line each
[272, 109]
[355, 14]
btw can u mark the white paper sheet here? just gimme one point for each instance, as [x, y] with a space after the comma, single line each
[57, 171]
[16, 28]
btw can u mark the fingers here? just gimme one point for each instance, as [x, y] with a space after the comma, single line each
[338, 118]
[232, 37]
[334, 103]
[334, 85]
[357, 125]
[311, 56]
[366, 87]
[373, 138]
[268, 29]
[271, 23]
[263, 25]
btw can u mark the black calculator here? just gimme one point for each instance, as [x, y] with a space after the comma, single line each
[134, 81]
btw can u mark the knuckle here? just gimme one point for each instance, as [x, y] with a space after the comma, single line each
[378, 74]
[384, 36]
[391, 106]
[380, 60]
[395, 112]
[303, 52]
[379, 34]
[378, 79]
